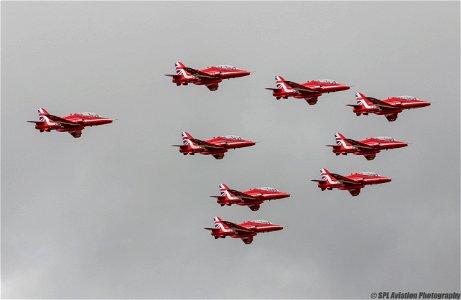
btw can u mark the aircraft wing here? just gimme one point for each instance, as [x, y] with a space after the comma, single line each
[300, 88]
[345, 180]
[247, 239]
[61, 121]
[76, 133]
[212, 86]
[206, 145]
[237, 228]
[359, 145]
[218, 155]
[242, 196]
[199, 74]
[381, 104]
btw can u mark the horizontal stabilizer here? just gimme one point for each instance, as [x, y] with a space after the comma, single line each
[354, 105]
[212, 229]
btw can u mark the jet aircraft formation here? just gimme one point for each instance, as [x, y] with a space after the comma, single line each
[217, 146]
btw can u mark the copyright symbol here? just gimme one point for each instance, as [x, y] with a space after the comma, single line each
[373, 295]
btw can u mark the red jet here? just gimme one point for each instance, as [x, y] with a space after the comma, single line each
[309, 91]
[390, 107]
[216, 146]
[352, 182]
[245, 231]
[210, 77]
[73, 123]
[368, 147]
[252, 198]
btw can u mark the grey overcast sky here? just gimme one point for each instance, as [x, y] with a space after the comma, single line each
[119, 213]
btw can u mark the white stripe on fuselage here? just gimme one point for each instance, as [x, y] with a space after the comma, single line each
[230, 197]
[328, 177]
[221, 225]
[343, 143]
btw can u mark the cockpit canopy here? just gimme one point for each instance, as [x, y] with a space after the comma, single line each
[368, 173]
[406, 97]
[229, 67]
[268, 188]
[261, 221]
[326, 81]
[385, 138]
[89, 114]
[230, 136]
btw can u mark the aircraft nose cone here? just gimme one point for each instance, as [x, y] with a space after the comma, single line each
[424, 103]
[386, 179]
[244, 73]
[344, 87]
[399, 144]
[279, 228]
[251, 143]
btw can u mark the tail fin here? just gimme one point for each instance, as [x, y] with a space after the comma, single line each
[224, 189]
[42, 112]
[185, 135]
[181, 71]
[218, 223]
[43, 116]
[341, 140]
[326, 175]
[362, 100]
[179, 65]
[324, 171]
[281, 84]
[186, 140]
[279, 79]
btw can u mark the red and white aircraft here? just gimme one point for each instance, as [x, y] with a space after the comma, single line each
[216, 146]
[252, 198]
[245, 231]
[73, 123]
[368, 147]
[390, 107]
[352, 182]
[210, 77]
[309, 91]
